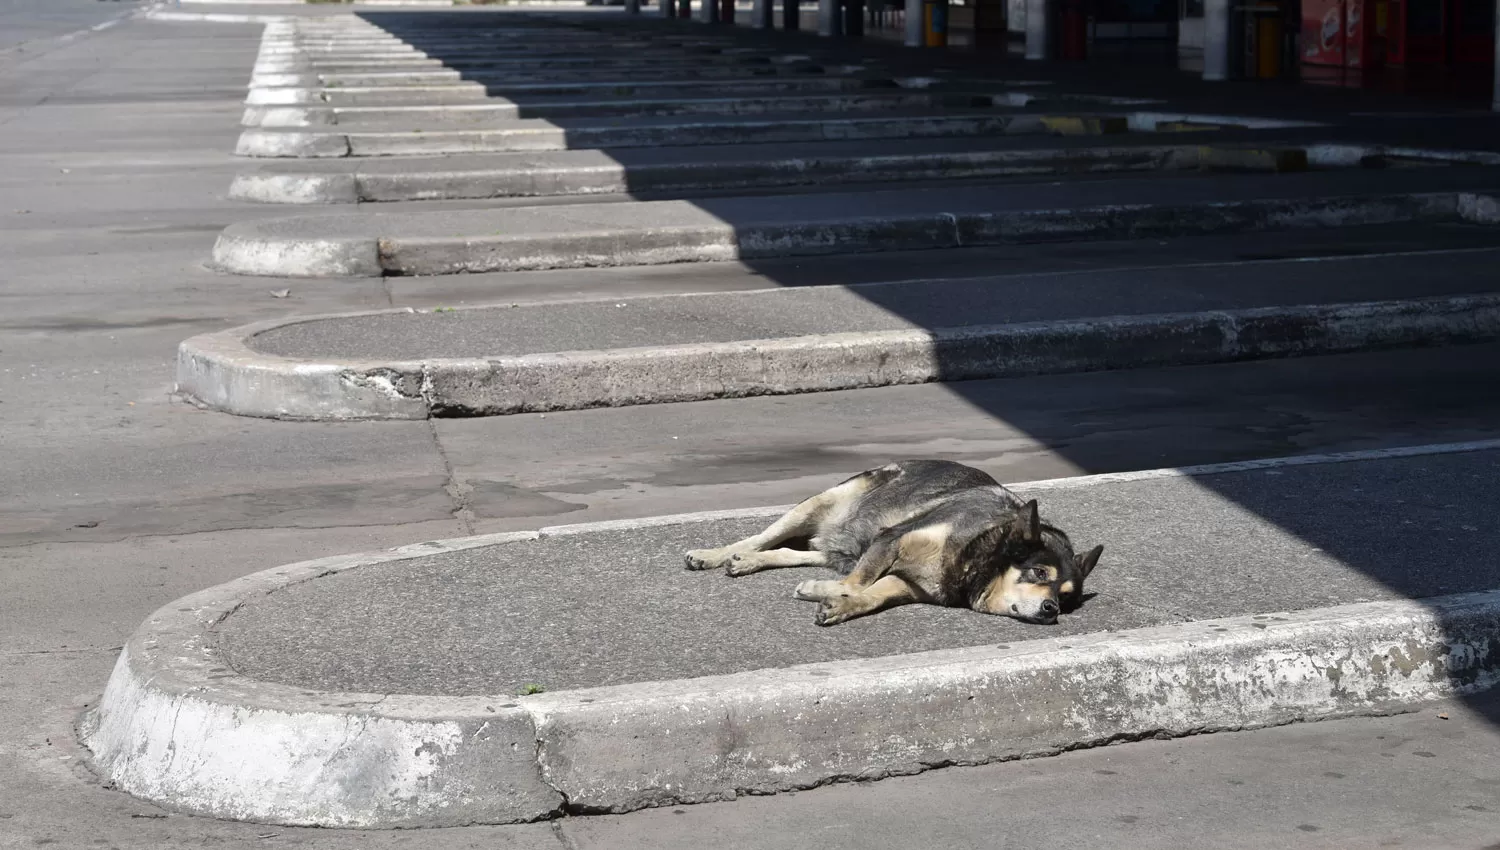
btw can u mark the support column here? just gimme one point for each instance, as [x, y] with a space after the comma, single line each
[1495, 98]
[668, 7]
[913, 16]
[708, 11]
[632, 7]
[830, 22]
[684, 8]
[1038, 29]
[761, 17]
[791, 15]
[854, 18]
[1215, 40]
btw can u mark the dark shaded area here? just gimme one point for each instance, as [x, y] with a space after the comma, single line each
[1293, 538]
[709, 318]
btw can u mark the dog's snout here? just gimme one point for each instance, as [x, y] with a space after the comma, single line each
[1049, 608]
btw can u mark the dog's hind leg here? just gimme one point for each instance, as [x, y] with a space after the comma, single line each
[797, 522]
[746, 563]
[887, 592]
[801, 521]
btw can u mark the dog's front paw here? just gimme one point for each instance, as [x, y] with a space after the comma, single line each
[742, 564]
[834, 611]
[705, 559]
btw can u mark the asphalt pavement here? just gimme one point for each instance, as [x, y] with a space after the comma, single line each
[123, 499]
[29, 25]
[612, 323]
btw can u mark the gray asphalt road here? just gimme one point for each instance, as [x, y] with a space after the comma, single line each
[115, 500]
[25, 22]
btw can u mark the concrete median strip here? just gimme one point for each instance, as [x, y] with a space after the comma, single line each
[182, 725]
[542, 135]
[433, 97]
[223, 370]
[658, 232]
[459, 116]
[597, 172]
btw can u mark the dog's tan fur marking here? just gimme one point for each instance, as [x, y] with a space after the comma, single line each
[745, 563]
[886, 593]
[925, 545]
[1007, 589]
[1065, 588]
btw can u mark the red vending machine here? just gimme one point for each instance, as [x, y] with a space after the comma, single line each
[1436, 34]
[1323, 32]
[1344, 33]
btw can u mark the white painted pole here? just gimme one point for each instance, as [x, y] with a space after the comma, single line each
[1038, 36]
[914, 23]
[1215, 40]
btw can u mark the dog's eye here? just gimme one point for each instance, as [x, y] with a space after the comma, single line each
[1039, 573]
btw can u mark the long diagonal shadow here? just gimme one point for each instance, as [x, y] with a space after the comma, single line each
[1418, 541]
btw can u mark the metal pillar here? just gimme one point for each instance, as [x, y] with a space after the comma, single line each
[1038, 29]
[1215, 40]
[761, 17]
[684, 8]
[854, 18]
[1495, 98]
[914, 23]
[632, 7]
[708, 11]
[791, 15]
[830, 22]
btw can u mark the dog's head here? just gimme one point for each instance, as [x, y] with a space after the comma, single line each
[1035, 574]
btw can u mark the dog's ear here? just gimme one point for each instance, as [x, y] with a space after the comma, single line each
[1031, 522]
[1087, 561]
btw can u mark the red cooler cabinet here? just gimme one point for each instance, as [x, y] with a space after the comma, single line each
[1344, 33]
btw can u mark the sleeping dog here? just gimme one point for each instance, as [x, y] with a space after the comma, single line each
[928, 531]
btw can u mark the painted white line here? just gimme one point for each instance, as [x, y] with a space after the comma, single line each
[215, 18]
[70, 36]
[1207, 264]
[1071, 483]
[1253, 465]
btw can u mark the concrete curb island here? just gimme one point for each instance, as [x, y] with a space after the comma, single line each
[178, 727]
[664, 232]
[223, 372]
[591, 173]
[596, 173]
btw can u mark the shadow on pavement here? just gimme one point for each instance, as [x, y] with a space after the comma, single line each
[1410, 545]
